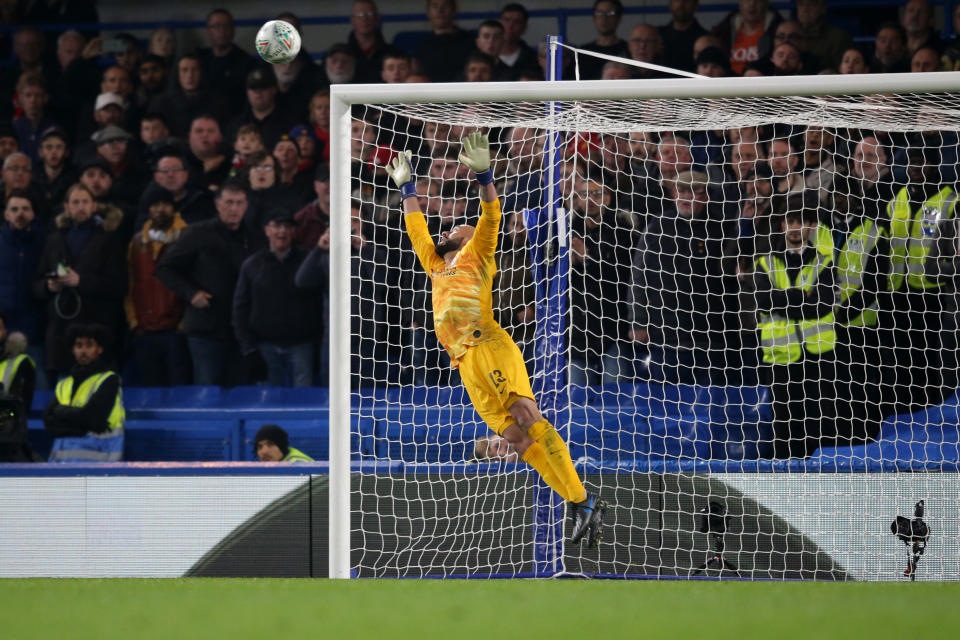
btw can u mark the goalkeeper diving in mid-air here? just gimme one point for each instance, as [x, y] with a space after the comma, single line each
[461, 268]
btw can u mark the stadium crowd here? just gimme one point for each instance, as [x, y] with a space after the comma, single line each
[182, 203]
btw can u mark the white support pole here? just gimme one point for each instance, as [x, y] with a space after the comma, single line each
[340, 417]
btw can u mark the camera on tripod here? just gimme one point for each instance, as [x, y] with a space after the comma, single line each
[713, 520]
[914, 533]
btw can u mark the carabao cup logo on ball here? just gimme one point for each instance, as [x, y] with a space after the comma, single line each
[278, 42]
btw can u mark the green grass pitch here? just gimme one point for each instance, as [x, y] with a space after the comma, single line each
[395, 609]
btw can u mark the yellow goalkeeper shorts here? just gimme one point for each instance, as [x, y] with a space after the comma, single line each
[495, 376]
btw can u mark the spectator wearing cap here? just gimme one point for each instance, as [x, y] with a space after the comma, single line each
[224, 63]
[115, 80]
[314, 219]
[189, 96]
[306, 141]
[442, 54]
[21, 243]
[86, 415]
[171, 178]
[713, 62]
[678, 306]
[114, 148]
[606, 18]
[109, 109]
[339, 65]
[154, 312]
[366, 41]
[271, 314]
[81, 275]
[97, 176]
[152, 73]
[202, 269]
[262, 109]
[33, 97]
[272, 444]
[54, 174]
[680, 33]
[206, 158]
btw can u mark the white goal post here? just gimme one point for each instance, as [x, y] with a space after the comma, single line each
[620, 107]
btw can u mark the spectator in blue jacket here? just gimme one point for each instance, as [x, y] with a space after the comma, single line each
[21, 243]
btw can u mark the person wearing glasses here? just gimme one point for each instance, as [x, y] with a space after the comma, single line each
[170, 175]
[606, 19]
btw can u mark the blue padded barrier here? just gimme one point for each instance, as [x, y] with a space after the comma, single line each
[186, 441]
[428, 434]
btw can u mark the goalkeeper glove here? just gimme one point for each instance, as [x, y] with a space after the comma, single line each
[476, 155]
[400, 173]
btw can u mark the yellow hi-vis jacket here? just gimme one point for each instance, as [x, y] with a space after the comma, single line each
[9, 369]
[852, 259]
[783, 340]
[93, 447]
[913, 233]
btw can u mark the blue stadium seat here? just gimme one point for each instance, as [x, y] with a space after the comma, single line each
[429, 434]
[181, 440]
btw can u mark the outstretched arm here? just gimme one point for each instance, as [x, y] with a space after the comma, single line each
[476, 155]
[423, 245]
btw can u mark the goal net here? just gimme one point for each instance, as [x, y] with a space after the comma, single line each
[736, 301]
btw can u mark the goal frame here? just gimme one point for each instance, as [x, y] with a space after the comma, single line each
[343, 97]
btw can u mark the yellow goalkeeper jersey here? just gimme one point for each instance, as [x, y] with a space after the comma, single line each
[462, 292]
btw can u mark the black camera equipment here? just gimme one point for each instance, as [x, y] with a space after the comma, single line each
[713, 520]
[914, 532]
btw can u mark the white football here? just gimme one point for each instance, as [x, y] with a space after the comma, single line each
[278, 42]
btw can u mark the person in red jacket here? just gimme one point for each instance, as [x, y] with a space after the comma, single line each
[154, 312]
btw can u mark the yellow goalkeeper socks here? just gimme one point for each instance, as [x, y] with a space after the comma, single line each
[536, 458]
[558, 457]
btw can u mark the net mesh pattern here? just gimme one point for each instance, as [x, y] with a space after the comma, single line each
[757, 291]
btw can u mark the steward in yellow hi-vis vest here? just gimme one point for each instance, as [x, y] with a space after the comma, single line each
[461, 269]
[86, 415]
[795, 296]
[862, 260]
[17, 382]
[272, 444]
[924, 262]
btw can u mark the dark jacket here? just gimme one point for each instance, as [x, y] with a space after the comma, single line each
[207, 257]
[95, 251]
[19, 255]
[367, 68]
[195, 206]
[226, 75]
[62, 421]
[678, 282]
[269, 307]
[443, 56]
[599, 287]
[181, 108]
